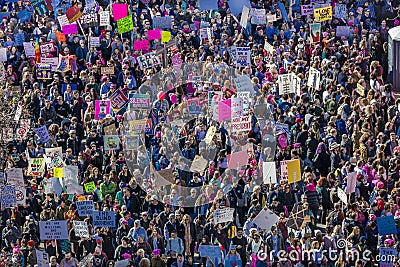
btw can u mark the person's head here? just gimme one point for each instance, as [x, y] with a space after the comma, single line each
[173, 234]
[68, 256]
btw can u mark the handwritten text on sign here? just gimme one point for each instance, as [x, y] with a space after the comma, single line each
[241, 124]
[223, 215]
[324, 13]
[50, 230]
[85, 208]
[104, 219]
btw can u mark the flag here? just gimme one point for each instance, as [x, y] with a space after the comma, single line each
[37, 49]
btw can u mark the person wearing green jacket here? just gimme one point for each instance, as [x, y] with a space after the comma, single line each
[107, 187]
[119, 196]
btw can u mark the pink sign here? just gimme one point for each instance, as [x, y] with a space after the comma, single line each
[141, 44]
[237, 159]
[154, 34]
[224, 110]
[120, 11]
[70, 29]
[102, 108]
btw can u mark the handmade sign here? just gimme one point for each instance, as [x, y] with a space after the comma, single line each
[125, 25]
[104, 219]
[223, 215]
[241, 124]
[53, 230]
[111, 142]
[85, 208]
[81, 229]
[139, 101]
[266, 219]
[118, 100]
[36, 166]
[44, 72]
[324, 13]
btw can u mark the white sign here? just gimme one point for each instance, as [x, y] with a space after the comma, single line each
[269, 173]
[29, 48]
[245, 16]
[104, 18]
[245, 96]
[223, 215]
[241, 124]
[285, 83]
[53, 230]
[63, 20]
[94, 41]
[266, 219]
[243, 56]
[3, 54]
[81, 229]
[15, 176]
[53, 61]
[236, 107]
[20, 195]
[342, 195]
[70, 180]
[42, 258]
[313, 78]
[243, 83]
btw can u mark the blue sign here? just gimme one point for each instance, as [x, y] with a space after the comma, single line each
[212, 251]
[387, 256]
[386, 225]
[104, 219]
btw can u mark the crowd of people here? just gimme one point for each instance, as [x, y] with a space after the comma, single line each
[170, 158]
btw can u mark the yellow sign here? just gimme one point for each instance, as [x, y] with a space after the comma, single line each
[165, 36]
[81, 198]
[89, 187]
[294, 171]
[323, 13]
[360, 90]
[58, 172]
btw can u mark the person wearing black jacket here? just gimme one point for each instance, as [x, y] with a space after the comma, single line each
[241, 243]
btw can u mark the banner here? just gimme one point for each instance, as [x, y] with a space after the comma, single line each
[120, 11]
[104, 219]
[102, 108]
[81, 229]
[324, 13]
[53, 230]
[118, 100]
[15, 176]
[85, 208]
[125, 25]
[36, 166]
[223, 215]
[111, 142]
[265, 219]
[139, 101]
[43, 71]
[294, 171]
[243, 56]
[8, 196]
[241, 124]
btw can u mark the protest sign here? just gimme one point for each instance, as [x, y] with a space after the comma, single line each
[94, 41]
[210, 134]
[223, 215]
[269, 173]
[15, 176]
[111, 142]
[162, 22]
[342, 196]
[258, 16]
[104, 219]
[265, 219]
[89, 187]
[148, 60]
[43, 71]
[307, 9]
[29, 48]
[8, 196]
[71, 180]
[18, 112]
[343, 31]
[122, 263]
[351, 182]
[39, 6]
[57, 172]
[232, 52]
[314, 78]
[118, 100]
[137, 126]
[237, 159]
[386, 225]
[36, 166]
[245, 96]
[54, 157]
[233, 261]
[24, 15]
[244, 84]
[243, 56]
[236, 107]
[285, 83]
[120, 11]
[125, 25]
[42, 258]
[53, 230]
[110, 130]
[132, 142]
[294, 171]
[315, 30]
[154, 34]
[81, 229]
[73, 13]
[341, 11]
[194, 105]
[3, 54]
[19, 39]
[387, 256]
[298, 218]
[53, 61]
[208, 5]
[245, 16]
[198, 164]
[284, 169]
[42, 133]
[324, 13]
[63, 64]
[211, 251]
[20, 195]
[224, 110]
[241, 124]
[104, 18]
[89, 16]
[53, 185]
[107, 70]
[141, 45]
[47, 47]
[139, 101]
[165, 36]
[70, 29]
[63, 20]
[102, 108]
[85, 208]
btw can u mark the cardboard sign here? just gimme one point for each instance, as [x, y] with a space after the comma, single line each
[386, 225]
[269, 173]
[73, 14]
[53, 230]
[285, 83]
[36, 166]
[243, 84]
[104, 219]
[107, 70]
[29, 48]
[81, 229]
[241, 124]
[199, 164]
[85, 208]
[8, 196]
[342, 196]
[90, 187]
[265, 219]
[111, 142]
[139, 101]
[102, 108]
[211, 251]
[118, 100]
[110, 130]
[323, 14]
[223, 215]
